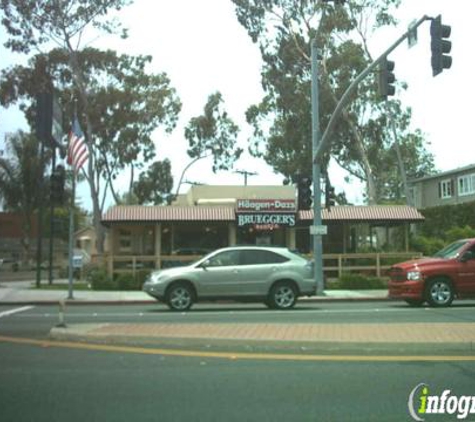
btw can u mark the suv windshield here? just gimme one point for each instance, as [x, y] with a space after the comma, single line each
[451, 251]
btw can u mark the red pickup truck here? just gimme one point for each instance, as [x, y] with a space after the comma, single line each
[437, 280]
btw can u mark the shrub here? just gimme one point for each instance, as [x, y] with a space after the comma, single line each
[350, 281]
[98, 278]
[427, 245]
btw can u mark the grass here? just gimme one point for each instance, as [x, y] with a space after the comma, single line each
[63, 286]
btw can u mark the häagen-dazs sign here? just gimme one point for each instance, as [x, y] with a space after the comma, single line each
[265, 214]
[266, 205]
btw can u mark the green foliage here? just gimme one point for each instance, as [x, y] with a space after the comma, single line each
[154, 185]
[128, 281]
[20, 172]
[353, 281]
[439, 220]
[444, 225]
[214, 133]
[30, 24]
[427, 245]
[119, 104]
[98, 278]
[363, 138]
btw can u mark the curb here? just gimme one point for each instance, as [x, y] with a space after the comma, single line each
[302, 300]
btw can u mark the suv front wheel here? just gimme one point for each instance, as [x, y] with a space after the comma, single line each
[179, 297]
[282, 295]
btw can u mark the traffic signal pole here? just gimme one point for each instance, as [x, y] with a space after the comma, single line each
[320, 143]
[316, 173]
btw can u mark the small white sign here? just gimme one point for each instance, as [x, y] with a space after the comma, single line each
[77, 261]
[318, 230]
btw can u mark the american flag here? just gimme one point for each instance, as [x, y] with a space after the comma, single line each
[77, 150]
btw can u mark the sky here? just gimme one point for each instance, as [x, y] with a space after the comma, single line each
[203, 49]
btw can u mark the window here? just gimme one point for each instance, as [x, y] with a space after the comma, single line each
[224, 259]
[252, 257]
[125, 241]
[466, 185]
[445, 189]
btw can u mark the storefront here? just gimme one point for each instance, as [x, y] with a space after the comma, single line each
[161, 236]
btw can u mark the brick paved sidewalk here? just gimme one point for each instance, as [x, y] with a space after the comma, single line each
[411, 333]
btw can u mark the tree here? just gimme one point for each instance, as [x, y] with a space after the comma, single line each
[20, 171]
[154, 185]
[119, 104]
[282, 126]
[214, 133]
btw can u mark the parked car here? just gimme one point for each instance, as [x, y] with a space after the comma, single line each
[450, 273]
[273, 275]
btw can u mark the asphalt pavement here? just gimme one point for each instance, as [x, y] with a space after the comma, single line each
[25, 293]
[458, 336]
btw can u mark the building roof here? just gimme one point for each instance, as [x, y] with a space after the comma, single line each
[444, 173]
[139, 213]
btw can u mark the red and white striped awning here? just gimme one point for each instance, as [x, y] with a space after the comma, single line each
[140, 213]
[390, 213]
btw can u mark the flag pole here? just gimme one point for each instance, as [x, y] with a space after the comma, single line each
[71, 238]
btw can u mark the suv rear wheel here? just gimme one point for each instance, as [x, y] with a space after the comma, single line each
[439, 292]
[282, 295]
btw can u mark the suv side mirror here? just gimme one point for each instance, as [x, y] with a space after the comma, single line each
[467, 256]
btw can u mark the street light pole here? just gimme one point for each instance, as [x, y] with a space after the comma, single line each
[317, 203]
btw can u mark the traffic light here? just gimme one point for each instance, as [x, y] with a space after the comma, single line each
[440, 46]
[386, 86]
[330, 197]
[57, 185]
[304, 193]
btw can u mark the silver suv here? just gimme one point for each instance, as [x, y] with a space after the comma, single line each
[273, 275]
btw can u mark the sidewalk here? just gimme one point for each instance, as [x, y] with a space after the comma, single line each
[329, 338]
[25, 293]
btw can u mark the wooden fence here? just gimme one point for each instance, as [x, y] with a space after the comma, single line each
[334, 265]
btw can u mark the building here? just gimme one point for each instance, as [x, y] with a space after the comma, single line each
[209, 217]
[447, 188]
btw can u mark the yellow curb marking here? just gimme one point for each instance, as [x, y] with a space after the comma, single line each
[233, 355]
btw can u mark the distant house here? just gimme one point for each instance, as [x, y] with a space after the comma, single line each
[447, 188]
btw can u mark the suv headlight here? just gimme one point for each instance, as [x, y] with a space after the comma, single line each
[414, 275]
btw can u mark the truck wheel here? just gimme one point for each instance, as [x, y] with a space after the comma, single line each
[439, 292]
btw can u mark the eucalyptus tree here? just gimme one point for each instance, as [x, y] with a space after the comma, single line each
[155, 184]
[283, 30]
[214, 134]
[118, 103]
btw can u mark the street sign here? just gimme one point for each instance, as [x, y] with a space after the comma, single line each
[318, 230]
[77, 261]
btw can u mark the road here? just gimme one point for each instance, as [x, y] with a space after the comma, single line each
[42, 382]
